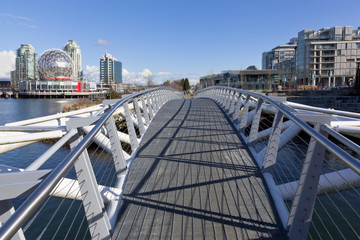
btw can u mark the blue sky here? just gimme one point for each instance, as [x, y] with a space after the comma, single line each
[166, 39]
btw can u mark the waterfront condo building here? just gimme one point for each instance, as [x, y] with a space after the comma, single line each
[73, 50]
[327, 56]
[110, 70]
[25, 64]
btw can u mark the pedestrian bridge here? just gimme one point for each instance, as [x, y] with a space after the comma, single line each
[228, 164]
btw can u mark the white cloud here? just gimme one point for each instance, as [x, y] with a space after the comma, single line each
[16, 17]
[29, 25]
[92, 73]
[20, 20]
[101, 42]
[139, 78]
[7, 63]
[142, 78]
[164, 74]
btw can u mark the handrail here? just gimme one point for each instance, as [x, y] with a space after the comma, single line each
[295, 168]
[323, 110]
[11, 226]
[352, 162]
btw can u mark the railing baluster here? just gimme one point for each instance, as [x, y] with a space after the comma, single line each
[145, 110]
[237, 107]
[6, 210]
[139, 117]
[232, 104]
[255, 123]
[116, 148]
[130, 127]
[224, 98]
[244, 115]
[303, 204]
[273, 143]
[98, 220]
[150, 102]
[219, 95]
[158, 98]
[229, 100]
[154, 100]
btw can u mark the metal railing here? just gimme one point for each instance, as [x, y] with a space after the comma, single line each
[102, 147]
[314, 183]
[312, 172]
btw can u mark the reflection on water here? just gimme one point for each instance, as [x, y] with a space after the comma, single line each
[12, 110]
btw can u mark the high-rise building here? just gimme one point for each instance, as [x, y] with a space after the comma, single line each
[26, 64]
[279, 54]
[73, 50]
[267, 58]
[110, 70]
[327, 53]
[13, 78]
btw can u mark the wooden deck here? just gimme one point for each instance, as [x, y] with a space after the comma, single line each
[193, 179]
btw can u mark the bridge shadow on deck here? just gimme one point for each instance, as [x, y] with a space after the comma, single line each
[193, 178]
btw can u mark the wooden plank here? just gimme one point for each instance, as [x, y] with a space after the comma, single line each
[193, 178]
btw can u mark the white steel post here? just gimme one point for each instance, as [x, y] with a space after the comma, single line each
[255, 122]
[229, 100]
[306, 193]
[145, 110]
[218, 95]
[273, 143]
[98, 221]
[224, 98]
[139, 117]
[237, 107]
[6, 210]
[244, 115]
[163, 97]
[155, 102]
[150, 103]
[116, 149]
[130, 127]
[231, 108]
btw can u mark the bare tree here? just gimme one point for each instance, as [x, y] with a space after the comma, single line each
[150, 82]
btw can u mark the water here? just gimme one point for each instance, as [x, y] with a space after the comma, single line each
[12, 110]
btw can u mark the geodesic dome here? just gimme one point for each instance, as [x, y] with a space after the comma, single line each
[55, 64]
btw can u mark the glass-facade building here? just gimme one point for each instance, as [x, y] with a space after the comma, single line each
[249, 79]
[26, 64]
[110, 70]
[73, 50]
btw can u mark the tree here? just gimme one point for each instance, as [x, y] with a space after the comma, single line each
[167, 83]
[186, 84]
[150, 82]
[113, 95]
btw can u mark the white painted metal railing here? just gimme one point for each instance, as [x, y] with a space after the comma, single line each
[312, 171]
[94, 171]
